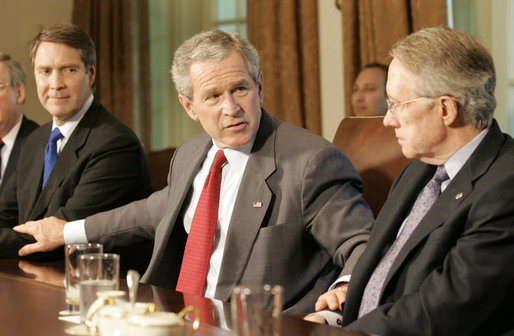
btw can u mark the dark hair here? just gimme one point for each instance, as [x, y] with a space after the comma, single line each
[376, 65]
[70, 35]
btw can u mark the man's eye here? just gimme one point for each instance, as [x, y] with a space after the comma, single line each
[240, 90]
[70, 70]
[44, 71]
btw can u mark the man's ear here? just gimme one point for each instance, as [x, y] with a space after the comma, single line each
[449, 109]
[188, 106]
[92, 74]
[20, 93]
[260, 87]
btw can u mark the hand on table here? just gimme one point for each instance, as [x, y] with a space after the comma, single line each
[48, 233]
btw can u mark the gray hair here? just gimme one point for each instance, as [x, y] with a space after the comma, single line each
[450, 62]
[210, 46]
[15, 71]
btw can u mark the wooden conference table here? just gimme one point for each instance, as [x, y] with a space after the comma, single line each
[32, 294]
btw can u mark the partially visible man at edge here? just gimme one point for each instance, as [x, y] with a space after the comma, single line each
[100, 163]
[290, 206]
[369, 91]
[439, 265]
[14, 126]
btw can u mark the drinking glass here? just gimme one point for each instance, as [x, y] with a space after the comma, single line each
[256, 310]
[98, 272]
[71, 277]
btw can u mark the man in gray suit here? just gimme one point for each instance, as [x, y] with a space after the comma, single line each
[14, 127]
[451, 272]
[290, 212]
[100, 163]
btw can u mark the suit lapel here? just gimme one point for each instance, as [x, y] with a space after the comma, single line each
[35, 170]
[457, 191]
[250, 208]
[25, 129]
[185, 167]
[65, 161]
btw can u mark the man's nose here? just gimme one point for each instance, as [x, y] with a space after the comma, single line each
[56, 81]
[390, 119]
[230, 105]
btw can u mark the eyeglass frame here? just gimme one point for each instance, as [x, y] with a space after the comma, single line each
[392, 107]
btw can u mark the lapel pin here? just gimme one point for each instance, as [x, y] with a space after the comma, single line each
[257, 204]
[458, 196]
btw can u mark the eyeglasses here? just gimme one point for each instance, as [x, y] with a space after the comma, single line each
[4, 85]
[394, 106]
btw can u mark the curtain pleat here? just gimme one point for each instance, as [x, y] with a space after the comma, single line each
[110, 23]
[285, 33]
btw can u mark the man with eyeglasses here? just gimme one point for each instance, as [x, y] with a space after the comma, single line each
[439, 258]
[14, 126]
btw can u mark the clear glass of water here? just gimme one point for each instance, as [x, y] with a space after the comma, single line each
[98, 272]
[71, 279]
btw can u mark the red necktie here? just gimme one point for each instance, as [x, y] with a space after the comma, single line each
[197, 254]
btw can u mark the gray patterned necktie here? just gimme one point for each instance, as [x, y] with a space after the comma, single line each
[424, 202]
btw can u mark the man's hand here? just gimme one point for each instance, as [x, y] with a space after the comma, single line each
[333, 299]
[48, 233]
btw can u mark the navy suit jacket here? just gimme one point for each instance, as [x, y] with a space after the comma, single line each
[454, 276]
[27, 126]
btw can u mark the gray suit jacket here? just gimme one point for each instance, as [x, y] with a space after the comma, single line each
[102, 166]
[454, 276]
[26, 127]
[312, 216]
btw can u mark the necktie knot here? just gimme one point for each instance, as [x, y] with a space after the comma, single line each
[55, 136]
[440, 174]
[219, 160]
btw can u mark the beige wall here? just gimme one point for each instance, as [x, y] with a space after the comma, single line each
[19, 23]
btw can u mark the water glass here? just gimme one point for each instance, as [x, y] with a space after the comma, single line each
[98, 272]
[71, 277]
[256, 310]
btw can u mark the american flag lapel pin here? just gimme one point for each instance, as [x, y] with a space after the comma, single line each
[257, 204]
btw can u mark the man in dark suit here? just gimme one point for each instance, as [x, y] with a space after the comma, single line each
[100, 163]
[440, 265]
[290, 209]
[14, 127]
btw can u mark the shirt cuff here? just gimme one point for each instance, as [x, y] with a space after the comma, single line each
[333, 318]
[344, 278]
[75, 232]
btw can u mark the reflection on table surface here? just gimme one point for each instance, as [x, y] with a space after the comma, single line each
[32, 294]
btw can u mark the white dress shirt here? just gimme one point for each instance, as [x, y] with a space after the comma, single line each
[69, 126]
[6, 150]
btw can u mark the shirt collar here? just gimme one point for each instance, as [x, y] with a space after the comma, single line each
[454, 164]
[10, 137]
[236, 156]
[69, 126]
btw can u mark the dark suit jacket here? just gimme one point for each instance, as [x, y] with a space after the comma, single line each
[102, 166]
[454, 276]
[312, 216]
[27, 126]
